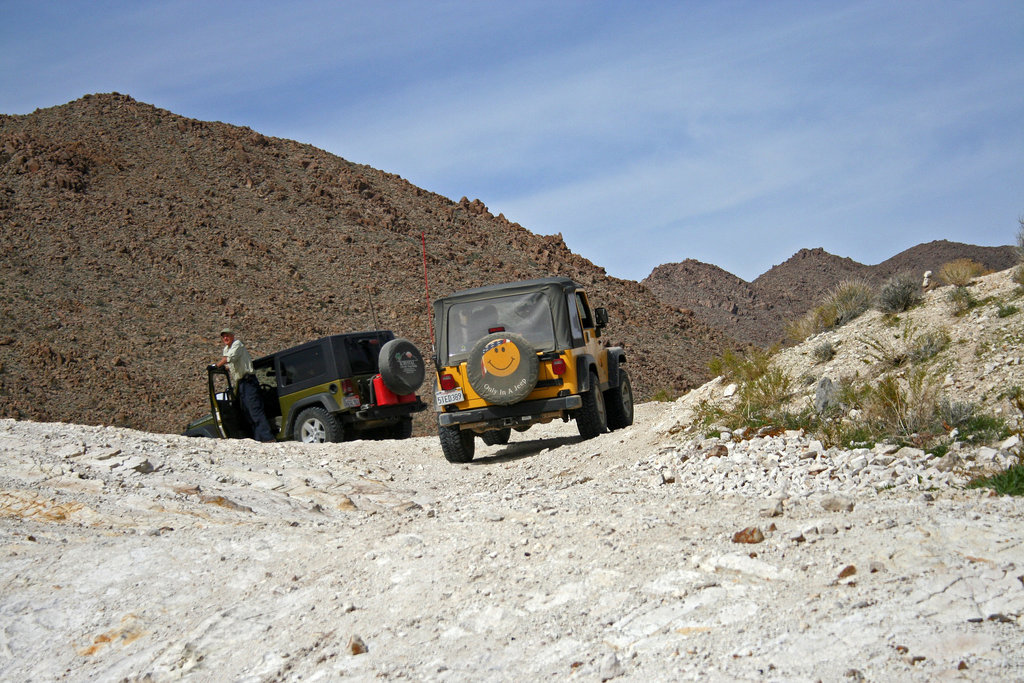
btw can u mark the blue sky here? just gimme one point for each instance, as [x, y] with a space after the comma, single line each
[734, 133]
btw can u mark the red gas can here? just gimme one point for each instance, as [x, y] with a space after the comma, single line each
[385, 397]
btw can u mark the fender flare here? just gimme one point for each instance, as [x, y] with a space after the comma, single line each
[616, 357]
[323, 399]
[584, 363]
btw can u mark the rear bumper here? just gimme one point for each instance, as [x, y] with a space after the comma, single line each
[510, 416]
[392, 411]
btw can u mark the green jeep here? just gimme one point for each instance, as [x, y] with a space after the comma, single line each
[514, 355]
[342, 387]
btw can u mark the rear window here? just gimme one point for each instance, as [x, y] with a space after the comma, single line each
[527, 315]
[358, 355]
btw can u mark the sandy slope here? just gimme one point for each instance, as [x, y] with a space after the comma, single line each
[135, 556]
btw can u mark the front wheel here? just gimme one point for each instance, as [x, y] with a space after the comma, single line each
[457, 444]
[591, 419]
[619, 400]
[316, 425]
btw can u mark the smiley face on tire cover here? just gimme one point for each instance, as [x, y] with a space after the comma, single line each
[502, 368]
[500, 358]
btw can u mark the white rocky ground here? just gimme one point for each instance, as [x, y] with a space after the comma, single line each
[645, 554]
[134, 556]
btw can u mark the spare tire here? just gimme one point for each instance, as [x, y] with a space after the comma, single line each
[502, 368]
[401, 366]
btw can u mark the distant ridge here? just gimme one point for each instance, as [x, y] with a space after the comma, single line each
[757, 312]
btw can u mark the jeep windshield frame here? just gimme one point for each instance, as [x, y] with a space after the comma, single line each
[535, 309]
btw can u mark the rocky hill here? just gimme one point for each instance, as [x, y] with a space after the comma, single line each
[129, 235]
[757, 312]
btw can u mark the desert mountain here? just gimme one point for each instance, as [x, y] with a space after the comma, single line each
[129, 235]
[756, 312]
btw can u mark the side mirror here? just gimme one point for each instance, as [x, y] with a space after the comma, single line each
[601, 315]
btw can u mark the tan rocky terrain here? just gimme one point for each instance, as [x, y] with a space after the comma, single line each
[656, 552]
[129, 235]
[757, 312]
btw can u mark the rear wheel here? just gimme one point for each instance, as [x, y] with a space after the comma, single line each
[497, 437]
[619, 402]
[316, 425]
[401, 429]
[456, 444]
[591, 419]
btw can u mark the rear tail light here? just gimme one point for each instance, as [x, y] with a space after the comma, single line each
[347, 387]
[558, 367]
[447, 382]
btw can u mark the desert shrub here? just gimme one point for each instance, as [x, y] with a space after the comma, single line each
[961, 300]
[742, 367]
[762, 395]
[891, 349]
[818, 319]
[928, 344]
[850, 299]
[823, 352]
[1020, 240]
[841, 304]
[960, 272]
[899, 294]
[956, 413]
[1009, 482]
[663, 396]
[762, 399]
[903, 408]
[1006, 310]
[1018, 275]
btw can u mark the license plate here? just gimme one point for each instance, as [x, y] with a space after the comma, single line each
[351, 402]
[445, 398]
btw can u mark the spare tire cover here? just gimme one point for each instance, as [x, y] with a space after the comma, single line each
[502, 368]
[401, 366]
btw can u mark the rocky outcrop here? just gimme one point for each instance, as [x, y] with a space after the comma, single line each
[757, 312]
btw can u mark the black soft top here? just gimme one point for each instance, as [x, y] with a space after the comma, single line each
[555, 290]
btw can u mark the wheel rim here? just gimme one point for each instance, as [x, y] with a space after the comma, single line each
[313, 431]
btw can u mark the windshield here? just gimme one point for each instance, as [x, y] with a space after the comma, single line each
[527, 315]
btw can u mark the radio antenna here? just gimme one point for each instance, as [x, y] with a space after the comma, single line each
[373, 311]
[426, 288]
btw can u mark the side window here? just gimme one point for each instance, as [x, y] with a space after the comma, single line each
[265, 372]
[588, 319]
[302, 365]
[574, 321]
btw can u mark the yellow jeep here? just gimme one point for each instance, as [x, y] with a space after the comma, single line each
[514, 355]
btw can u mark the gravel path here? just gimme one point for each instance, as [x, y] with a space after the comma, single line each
[134, 556]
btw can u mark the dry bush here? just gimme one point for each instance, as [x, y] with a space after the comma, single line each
[960, 272]
[843, 303]
[850, 299]
[899, 294]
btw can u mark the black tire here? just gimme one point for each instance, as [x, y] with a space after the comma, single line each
[497, 437]
[456, 444]
[401, 366]
[316, 425]
[591, 419]
[505, 385]
[618, 402]
[401, 429]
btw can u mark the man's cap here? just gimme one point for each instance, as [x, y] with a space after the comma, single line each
[227, 330]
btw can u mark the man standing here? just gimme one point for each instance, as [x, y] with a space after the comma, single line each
[239, 363]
